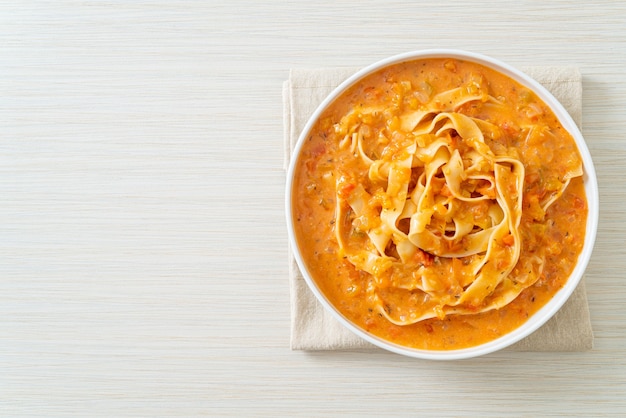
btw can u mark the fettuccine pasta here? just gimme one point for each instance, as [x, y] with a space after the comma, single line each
[428, 196]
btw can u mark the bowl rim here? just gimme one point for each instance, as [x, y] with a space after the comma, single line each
[590, 183]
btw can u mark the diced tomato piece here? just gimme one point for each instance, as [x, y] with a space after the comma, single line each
[346, 189]
[423, 258]
[508, 240]
[445, 191]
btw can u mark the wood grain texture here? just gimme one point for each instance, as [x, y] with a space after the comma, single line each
[143, 252]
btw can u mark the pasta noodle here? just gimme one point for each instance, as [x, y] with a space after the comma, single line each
[433, 188]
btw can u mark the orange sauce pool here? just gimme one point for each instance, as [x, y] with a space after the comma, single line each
[556, 236]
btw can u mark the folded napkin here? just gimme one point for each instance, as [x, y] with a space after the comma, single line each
[313, 328]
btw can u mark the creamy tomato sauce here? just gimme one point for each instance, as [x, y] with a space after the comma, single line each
[529, 130]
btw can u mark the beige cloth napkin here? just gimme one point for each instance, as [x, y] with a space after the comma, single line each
[313, 328]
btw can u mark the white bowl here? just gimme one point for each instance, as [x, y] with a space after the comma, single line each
[591, 189]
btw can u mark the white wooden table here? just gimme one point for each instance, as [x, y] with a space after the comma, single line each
[143, 248]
